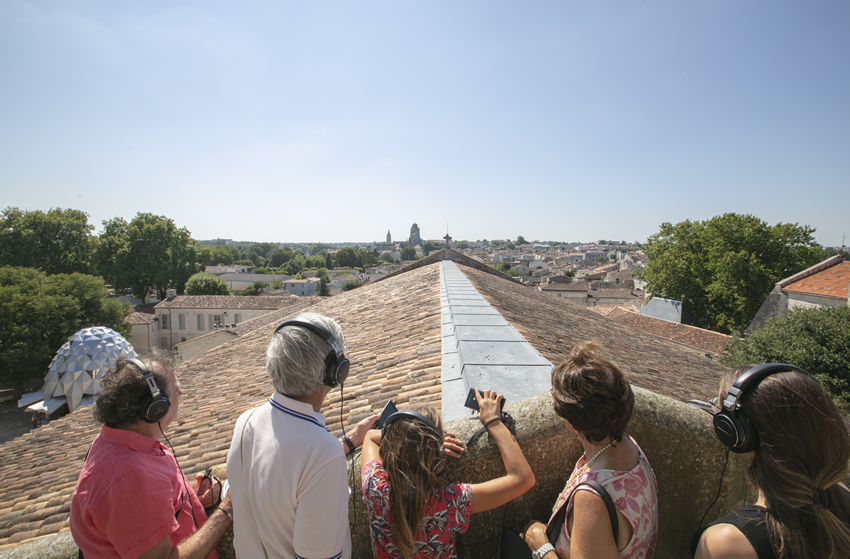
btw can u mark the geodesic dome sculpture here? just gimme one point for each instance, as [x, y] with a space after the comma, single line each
[76, 369]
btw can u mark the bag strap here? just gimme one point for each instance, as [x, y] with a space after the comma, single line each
[554, 528]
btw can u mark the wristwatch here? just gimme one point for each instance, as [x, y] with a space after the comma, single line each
[544, 549]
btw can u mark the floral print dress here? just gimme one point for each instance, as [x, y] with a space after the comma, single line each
[634, 495]
[447, 514]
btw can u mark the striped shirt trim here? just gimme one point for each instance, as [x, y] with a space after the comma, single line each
[299, 415]
[337, 556]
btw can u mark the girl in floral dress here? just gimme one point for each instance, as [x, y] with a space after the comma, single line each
[596, 402]
[411, 512]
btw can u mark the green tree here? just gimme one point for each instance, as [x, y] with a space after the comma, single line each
[323, 287]
[510, 245]
[317, 261]
[38, 312]
[276, 284]
[206, 284]
[726, 266]
[503, 267]
[430, 246]
[463, 244]
[281, 256]
[347, 257]
[817, 340]
[351, 284]
[386, 257]
[58, 241]
[221, 254]
[521, 240]
[408, 253]
[318, 247]
[149, 253]
[263, 249]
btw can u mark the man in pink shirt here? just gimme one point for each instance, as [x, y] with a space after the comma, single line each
[132, 499]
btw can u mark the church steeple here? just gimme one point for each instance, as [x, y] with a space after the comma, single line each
[389, 237]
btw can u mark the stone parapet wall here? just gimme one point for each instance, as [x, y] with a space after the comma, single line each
[678, 440]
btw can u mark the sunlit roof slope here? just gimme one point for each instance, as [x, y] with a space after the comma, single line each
[553, 326]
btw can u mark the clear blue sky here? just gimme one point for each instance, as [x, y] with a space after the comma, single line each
[335, 121]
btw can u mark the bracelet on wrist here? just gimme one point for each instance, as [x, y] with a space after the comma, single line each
[487, 425]
[542, 551]
[227, 514]
[348, 443]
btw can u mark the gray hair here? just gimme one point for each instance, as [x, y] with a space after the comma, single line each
[295, 358]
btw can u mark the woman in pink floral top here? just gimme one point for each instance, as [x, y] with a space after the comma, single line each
[411, 513]
[595, 400]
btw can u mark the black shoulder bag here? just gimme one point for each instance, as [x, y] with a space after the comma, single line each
[513, 547]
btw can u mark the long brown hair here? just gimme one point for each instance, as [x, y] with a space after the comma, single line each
[409, 451]
[804, 449]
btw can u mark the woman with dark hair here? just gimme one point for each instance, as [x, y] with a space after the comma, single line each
[595, 400]
[412, 513]
[801, 453]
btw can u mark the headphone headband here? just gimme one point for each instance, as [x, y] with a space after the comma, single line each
[336, 365]
[731, 425]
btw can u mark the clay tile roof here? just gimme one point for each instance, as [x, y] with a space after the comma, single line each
[575, 287]
[553, 326]
[139, 318]
[223, 302]
[707, 340]
[831, 282]
[620, 293]
[393, 339]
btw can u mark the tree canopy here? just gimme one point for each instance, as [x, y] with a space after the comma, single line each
[817, 340]
[351, 284]
[148, 253]
[203, 283]
[323, 287]
[39, 312]
[726, 266]
[57, 241]
[408, 253]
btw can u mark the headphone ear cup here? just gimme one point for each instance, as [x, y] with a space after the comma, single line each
[749, 437]
[726, 430]
[330, 370]
[154, 410]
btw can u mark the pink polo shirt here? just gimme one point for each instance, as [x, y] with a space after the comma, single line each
[131, 494]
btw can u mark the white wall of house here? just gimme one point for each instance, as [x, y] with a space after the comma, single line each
[180, 325]
[143, 337]
[302, 288]
[810, 301]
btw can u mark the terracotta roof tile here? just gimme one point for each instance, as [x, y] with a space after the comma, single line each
[554, 325]
[831, 282]
[138, 318]
[707, 340]
[224, 302]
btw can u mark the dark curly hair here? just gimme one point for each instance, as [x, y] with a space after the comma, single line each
[592, 394]
[123, 388]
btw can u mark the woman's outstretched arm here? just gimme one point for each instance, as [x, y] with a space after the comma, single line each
[518, 477]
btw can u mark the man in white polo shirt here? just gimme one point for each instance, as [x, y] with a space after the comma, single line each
[287, 472]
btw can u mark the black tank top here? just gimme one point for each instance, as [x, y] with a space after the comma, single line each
[750, 520]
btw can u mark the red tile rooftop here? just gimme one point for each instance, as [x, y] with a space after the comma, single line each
[831, 282]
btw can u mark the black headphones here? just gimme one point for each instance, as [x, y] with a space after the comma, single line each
[155, 405]
[336, 365]
[442, 461]
[731, 425]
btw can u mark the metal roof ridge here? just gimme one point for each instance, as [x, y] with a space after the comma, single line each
[480, 349]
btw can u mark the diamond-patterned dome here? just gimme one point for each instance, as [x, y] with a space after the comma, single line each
[81, 362]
